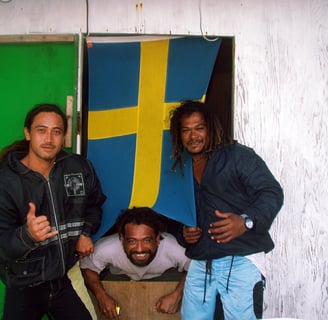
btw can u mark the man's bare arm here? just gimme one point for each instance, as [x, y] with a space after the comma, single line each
[107, 304]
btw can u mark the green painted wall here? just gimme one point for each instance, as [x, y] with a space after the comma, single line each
[31, 73]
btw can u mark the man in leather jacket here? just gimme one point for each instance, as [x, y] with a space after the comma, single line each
[50, 206]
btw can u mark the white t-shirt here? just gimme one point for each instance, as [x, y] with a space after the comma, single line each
[258, 260]
[109, 253]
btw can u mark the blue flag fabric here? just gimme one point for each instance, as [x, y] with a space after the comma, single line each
[134, 82]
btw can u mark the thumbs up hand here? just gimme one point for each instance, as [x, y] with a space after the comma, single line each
[38, 227]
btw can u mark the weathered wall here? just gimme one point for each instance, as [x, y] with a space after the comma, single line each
[281, 109]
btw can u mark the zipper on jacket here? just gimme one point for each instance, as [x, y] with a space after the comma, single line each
[57, 226]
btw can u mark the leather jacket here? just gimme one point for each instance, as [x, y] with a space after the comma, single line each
[71, 198]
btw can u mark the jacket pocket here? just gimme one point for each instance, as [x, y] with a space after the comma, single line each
[24, 272]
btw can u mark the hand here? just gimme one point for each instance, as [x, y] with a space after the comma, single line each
[38, 227]
[84, 246]
[107, 306]
[229, 227]
[191, 234]
[169, 303]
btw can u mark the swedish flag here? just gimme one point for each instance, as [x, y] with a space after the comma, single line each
[133, 84]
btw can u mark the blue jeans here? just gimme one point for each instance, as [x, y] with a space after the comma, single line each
[56, 298]
[233, 278]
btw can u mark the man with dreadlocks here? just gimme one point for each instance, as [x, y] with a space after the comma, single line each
[237, 199]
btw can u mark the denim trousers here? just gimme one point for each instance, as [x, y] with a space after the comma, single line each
[57, 299]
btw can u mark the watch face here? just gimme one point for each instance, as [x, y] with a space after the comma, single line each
[249, 223]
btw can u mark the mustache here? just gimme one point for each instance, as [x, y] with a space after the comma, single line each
[195, 141]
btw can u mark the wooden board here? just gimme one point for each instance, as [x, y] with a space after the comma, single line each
[137, 299]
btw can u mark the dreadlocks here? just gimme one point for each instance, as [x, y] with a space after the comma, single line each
[214, 129]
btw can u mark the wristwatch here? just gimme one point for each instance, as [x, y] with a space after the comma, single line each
[86, 234]
[249, 223]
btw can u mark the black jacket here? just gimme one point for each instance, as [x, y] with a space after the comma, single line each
[236, 180]
[71, 199]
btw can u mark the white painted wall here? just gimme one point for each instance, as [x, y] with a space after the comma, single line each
[281, 109]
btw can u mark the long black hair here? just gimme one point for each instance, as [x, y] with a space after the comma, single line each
[44, 107]
[23, 145]
[215, 135]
